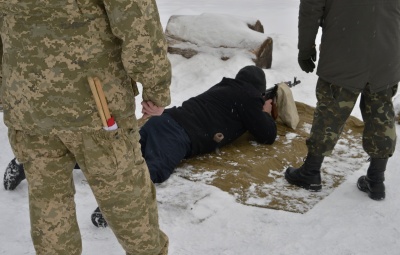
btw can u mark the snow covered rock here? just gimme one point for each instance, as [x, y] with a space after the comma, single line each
[217, 34]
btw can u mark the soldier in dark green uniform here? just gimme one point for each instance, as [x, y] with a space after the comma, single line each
[50, 47]
[359, 54]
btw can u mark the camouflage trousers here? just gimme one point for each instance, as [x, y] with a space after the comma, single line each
[335, 105]
[117, 174]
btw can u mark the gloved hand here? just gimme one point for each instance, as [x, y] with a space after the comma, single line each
[306, 60]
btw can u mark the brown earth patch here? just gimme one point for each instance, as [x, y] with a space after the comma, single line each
[254, 173]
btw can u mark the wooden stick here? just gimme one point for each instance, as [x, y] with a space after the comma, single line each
[102, 98]
[97, 100]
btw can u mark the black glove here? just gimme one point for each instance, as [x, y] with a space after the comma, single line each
[306, 60]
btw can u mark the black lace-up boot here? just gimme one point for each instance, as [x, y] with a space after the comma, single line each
[372, 183]
[308, 176]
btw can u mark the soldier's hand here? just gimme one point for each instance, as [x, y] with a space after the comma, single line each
[306, 60]
[150, 109]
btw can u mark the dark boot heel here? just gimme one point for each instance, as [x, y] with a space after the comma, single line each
[372, 183]
[375, 191]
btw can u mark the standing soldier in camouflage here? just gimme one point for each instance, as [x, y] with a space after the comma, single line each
[359, 54]
[50, 47]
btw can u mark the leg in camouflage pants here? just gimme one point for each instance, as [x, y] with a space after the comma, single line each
[333, 109]
[118, 177]
[335, 105]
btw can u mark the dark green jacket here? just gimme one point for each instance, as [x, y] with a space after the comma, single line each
[360, 41]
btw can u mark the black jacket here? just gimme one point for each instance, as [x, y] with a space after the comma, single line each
[230, 107]
[360, 41]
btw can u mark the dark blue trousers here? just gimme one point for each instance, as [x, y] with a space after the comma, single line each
[164, 144]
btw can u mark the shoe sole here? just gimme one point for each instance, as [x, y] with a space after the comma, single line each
[98, 220]
[11, 180]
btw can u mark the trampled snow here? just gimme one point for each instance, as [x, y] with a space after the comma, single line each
[201, 219]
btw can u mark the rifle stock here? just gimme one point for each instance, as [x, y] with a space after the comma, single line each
[274, 110]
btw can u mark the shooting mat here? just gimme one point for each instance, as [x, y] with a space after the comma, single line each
[254, 173]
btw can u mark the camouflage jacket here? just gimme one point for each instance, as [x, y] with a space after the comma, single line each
[50, 47]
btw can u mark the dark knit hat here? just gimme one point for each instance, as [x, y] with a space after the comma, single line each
[253, 75]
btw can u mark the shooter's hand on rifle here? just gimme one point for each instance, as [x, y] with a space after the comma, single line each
[267, 107]
[270, 101]
[271, 95]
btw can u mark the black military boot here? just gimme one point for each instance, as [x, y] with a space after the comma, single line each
[13, 175]
[308, 176]
[98, 219]
[372, 183]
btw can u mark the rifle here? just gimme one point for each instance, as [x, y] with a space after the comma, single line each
[271, 93]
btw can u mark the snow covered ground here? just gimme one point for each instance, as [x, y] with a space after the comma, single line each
[201, 219]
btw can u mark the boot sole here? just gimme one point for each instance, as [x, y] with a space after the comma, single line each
[307, 186]
[98, 220]
[11, 180]
[376, 196]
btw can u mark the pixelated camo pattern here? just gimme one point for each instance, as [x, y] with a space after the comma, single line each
[117, 174]
[50, 47]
